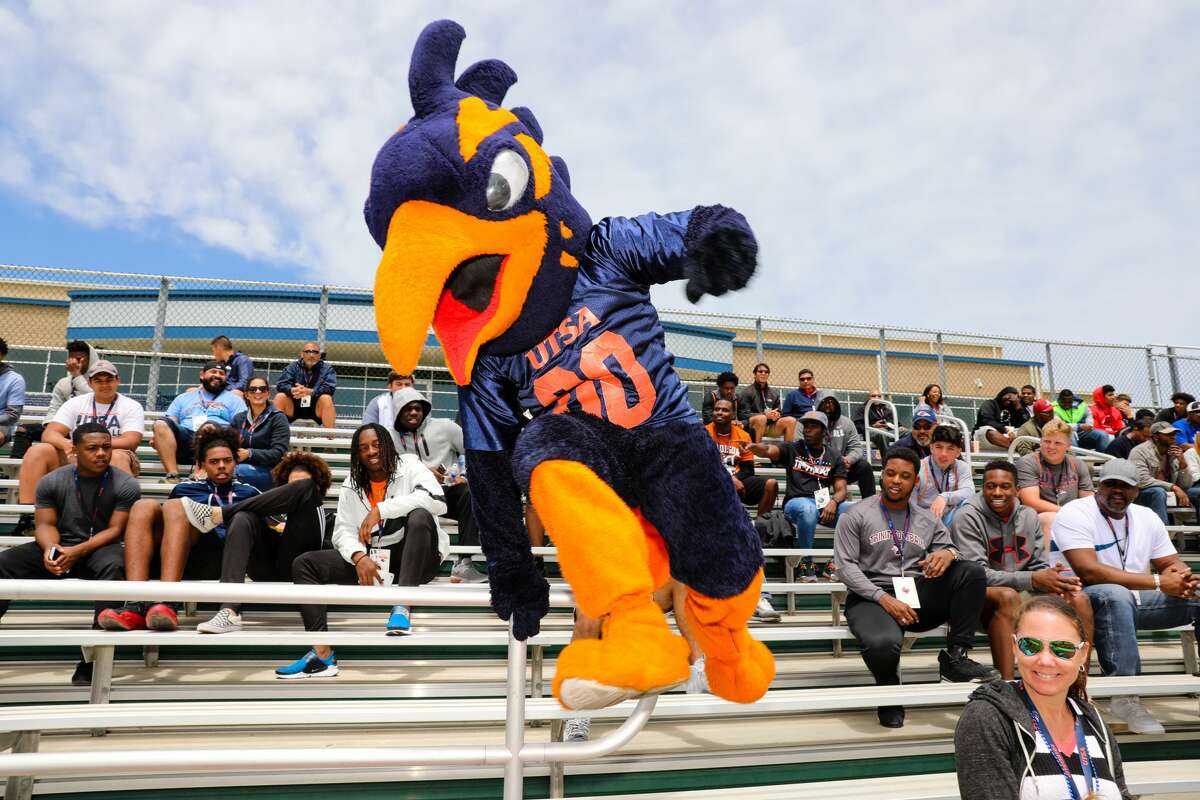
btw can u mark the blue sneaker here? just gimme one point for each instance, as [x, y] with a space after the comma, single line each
[398, 622]
[309, 666]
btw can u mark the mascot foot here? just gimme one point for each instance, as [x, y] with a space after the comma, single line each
[739, 667]
[637, 655]
[746, 678]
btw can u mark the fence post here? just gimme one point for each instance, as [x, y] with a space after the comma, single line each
[883, 367]
[1049, 368]
[322, 318]
[941, 353]
[1173, 368]
[758, 340]
[1153, 377]
[156, 345]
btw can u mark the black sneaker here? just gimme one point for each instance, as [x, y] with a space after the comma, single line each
[82, 675]
[891, 716]
[24, 525]
[955, 667]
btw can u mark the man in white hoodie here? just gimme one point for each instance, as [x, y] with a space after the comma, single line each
[439, 445]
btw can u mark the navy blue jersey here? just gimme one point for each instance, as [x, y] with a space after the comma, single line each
[202, 490]
[608, 357]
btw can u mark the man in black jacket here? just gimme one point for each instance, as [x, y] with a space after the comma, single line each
[998, 419]
[759, 408]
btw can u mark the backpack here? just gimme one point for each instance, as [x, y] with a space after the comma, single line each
[775, 530]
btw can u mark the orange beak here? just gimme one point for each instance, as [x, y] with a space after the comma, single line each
[467, 277]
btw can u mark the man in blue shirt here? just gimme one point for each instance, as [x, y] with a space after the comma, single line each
[12, 396]
[1189, 426]
[238, 366]
[190, 411]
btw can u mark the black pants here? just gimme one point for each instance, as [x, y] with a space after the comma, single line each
[255, 549]
[415, 561]
[957, 596]
[25, 436]
[25, 561]
[861, 471]
[458, 502]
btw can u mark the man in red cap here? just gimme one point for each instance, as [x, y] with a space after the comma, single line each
[1043, 412]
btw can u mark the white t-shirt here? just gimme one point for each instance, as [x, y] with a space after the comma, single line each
[1139, 538]
[123, 415]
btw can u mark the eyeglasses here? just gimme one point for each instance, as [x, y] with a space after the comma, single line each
[256, 390]
[1064, 650]
[311, 352]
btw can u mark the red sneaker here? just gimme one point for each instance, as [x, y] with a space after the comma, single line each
[121, 619]
[161, 617]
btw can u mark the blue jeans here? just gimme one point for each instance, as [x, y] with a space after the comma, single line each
[803, 513]
[258, 477]
[1155, 499]
[1095, 439]
[1119, 618]
[1194, 495]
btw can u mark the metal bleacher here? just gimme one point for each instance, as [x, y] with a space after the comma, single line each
[460, 710]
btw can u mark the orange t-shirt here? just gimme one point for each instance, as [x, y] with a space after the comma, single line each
[727, 444]
[377, 493]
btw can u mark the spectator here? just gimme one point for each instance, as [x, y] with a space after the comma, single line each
[389, 505]
[237, 365]
[122, 416]
[1006, 743]
[919, 438]
[1178, 408]
[732, 443]
[379, 410]
[266, 435]
[1043, 412]
[81, 513]
[879, 429]
[816, 482]
[1124, 404]
[1106, 417]
[1029, 396]
[305, 389]
[1137, 432]
[438, 443]
[1161, 469]
[933, 397]
[190, 411]
[12, 396]
[1050, 478]
[945, 482]
[758, 408]
[1192, 456]
[801, 399]
[1096, 535]
[875, 553]
[843, 435]
[174, 535]
[80, 355]
[727, 384]
[1070, 410]
[1189, 426]
[1005, 537]
[998, 419]
[265, 533]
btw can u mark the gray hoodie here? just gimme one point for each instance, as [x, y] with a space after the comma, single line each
[841, 432]
[68, 387]
[995, 748]
[437, 442]
[1010, 550]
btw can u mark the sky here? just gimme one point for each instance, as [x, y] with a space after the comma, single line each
[1006, 168]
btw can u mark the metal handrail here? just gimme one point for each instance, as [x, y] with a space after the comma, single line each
[893, 431]
[1079, 451]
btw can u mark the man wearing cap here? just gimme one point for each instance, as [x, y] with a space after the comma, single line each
[1111, 543]
[1070, 410]
[919, 438]
[190, 411]
[1188, 427]
[1043, 412]
[1161, 470]
[1137, 432]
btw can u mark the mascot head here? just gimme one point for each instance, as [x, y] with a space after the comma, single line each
[481, 236]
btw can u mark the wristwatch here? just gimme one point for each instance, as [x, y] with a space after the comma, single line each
[953, 552]
[1157, 582]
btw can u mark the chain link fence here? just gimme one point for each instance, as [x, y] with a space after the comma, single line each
[158, 330]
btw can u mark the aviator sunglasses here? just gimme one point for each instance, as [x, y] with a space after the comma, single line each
[1064, 650]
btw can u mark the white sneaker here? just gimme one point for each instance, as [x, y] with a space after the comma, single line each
[765, 612]
[200, 515]
[697, 682]
[1131, 711]
[577, 730]
[224, 621]
[464, 571]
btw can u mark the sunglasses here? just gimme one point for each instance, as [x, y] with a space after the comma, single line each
[311, 352]
[1031, 647]
[256, 390]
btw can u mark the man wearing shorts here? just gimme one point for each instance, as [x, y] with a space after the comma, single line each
[732, 442]
[191, 411]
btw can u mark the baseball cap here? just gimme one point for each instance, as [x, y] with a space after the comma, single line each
[817, 417]
[1193, 406]
[1118, 470]
[1163, 427]
[101, 365]
[1042, 405]
[212, 363]
[924, 414]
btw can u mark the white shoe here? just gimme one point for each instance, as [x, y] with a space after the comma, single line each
[464, 571]
[1131, 711]
[224, 621]
[765, 612]
[577, 730]
[200, 515]
[697, 682]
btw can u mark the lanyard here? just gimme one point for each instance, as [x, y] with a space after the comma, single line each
[109, 414]
[1062, 471]
[1128, 531]
[216, 495]
[200, 397]
[250, 424]
[1091, 780]
[943, 484]
[95, 498]
[898, 540]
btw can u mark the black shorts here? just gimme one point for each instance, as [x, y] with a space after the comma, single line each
[183, 442]
[300, 412]
[754, 487]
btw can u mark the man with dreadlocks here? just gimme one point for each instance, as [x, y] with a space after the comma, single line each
[387, 514]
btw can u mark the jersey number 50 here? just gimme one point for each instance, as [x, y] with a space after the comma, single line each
[595, 379]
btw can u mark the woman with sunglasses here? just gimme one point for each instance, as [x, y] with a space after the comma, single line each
[1039, 736]
[265, 433]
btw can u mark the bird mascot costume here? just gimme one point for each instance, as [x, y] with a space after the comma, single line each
[566, 389]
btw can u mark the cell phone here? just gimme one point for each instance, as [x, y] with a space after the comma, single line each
[54, 553]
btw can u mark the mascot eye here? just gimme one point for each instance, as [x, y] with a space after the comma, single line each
[507, 181]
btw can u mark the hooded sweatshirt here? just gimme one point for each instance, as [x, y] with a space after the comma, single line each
[68, 387]
[1010, 550]
[998, 756]
[12, 397]
[437, 442]
[841, 432]
[1105, 417]
[993, 414]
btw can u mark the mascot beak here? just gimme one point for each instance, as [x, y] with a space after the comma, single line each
[466, 277]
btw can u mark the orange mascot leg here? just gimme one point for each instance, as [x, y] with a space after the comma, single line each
[738, 666]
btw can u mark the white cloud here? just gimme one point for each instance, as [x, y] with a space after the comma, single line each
[973, 166]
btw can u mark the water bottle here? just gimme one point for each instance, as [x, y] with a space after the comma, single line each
[462, 466]
[452, 473]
